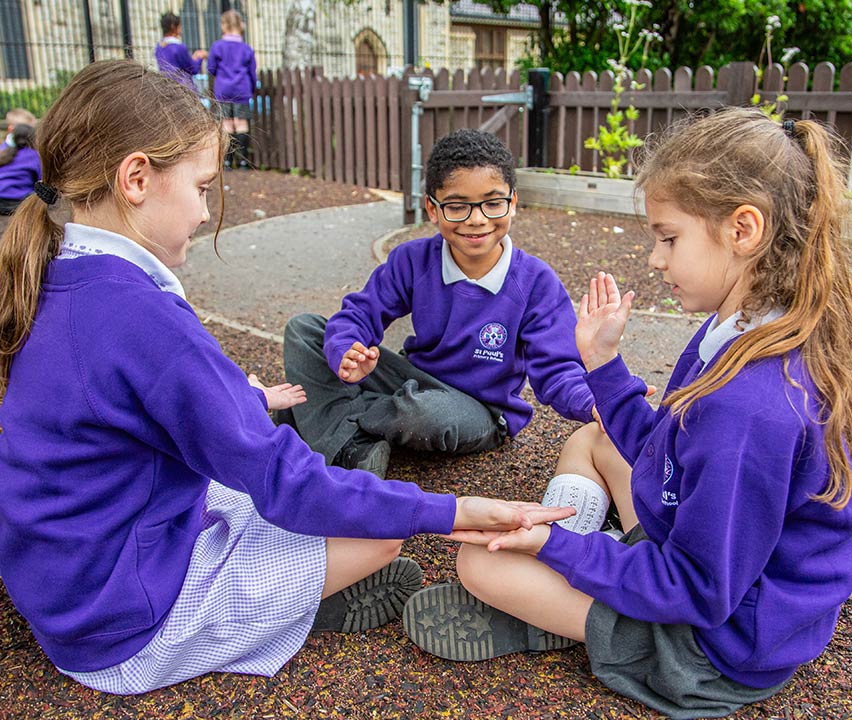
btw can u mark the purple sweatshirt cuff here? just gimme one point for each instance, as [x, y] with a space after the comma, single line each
[260, 396]
[564, 551]
[612, 379]
[435, 514]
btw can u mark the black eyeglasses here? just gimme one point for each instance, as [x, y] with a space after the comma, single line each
[458, 211]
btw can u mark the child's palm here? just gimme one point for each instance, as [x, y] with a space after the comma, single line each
[601, 320]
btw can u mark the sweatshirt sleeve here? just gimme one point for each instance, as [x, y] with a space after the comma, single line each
[620, 400]
[252, 70]
[730, 514]
[555, 371]
[202, 411]
[213, 59]
[364, 315]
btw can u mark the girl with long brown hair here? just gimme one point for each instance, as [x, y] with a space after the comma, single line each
[735, 492]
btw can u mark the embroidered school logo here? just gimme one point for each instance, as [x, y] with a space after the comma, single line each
[668, 498]
[492, 337]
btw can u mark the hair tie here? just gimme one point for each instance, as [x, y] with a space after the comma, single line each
[789, 127]
[47, 193]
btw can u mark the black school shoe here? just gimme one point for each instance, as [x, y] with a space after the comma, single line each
[365, 452]
[376, 600]
[447, 621]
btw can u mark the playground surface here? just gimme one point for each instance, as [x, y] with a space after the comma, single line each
[272, 267]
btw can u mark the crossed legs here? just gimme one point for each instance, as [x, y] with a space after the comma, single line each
[519, 584]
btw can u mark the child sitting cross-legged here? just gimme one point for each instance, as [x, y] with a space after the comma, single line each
[735, 492]
[487, 318]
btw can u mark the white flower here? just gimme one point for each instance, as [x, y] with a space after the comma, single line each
[788, 54]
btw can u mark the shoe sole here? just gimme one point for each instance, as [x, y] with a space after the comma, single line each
[447, 621]
[377, 460]
[369, 603]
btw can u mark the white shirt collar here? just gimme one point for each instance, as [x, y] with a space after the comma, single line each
[492, 281]
[719, 333]
[84, 240]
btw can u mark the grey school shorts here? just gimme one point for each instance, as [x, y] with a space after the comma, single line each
[661, 666]
[241, 111]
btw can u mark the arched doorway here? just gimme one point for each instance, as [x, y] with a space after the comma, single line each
[371, 56]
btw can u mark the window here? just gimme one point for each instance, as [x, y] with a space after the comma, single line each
[490, 49]
[13, 60]
[189, 26]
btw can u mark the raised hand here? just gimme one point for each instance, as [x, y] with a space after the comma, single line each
[280, 397]
[358, 362]
[601, 320]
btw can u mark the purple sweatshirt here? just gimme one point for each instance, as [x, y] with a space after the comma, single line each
[739, 549]
[19, 176]
[483, 344]
[119, 408]
[174, 59]
[231, 61]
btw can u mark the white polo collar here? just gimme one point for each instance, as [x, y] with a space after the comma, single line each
[492, 281]
[84, 240]
[720, 333]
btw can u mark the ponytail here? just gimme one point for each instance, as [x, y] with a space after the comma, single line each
[802, 265]
[30, 242]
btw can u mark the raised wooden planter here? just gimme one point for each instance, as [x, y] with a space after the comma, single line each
[589, 192]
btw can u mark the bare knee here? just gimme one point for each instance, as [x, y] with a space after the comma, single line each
[472, 565]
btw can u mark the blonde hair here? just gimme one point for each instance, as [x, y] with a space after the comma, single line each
[232, 22]
[20, 116]
[710, 166]
[110, 109]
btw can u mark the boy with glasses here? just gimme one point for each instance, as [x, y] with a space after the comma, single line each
[486, 317]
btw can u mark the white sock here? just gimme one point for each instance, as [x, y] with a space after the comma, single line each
[587, 497]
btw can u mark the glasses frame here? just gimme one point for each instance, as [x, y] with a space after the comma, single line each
[471, 205]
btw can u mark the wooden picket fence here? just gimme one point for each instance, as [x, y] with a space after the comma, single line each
[358, 130]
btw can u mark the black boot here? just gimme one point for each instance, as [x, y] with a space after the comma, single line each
[376, 600]
[243, 144]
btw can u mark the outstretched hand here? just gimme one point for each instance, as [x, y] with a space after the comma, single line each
[476, 517]
[280, 397]
[601, 320]
[358, 362]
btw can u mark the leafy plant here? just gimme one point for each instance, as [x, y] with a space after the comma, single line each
[775, 109]
[614, 139]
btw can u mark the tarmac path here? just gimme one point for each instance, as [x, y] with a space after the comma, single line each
[275, 268]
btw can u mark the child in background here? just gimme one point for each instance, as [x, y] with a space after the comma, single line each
[20, 167]
[172, 56]
[740, 552]
[487, 317]
[232, 65]
[133, 568]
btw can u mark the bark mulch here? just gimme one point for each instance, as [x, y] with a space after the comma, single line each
[380, 674]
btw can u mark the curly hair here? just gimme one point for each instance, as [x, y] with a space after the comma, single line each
[467, 149]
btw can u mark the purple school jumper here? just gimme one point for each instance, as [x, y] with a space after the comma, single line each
[483, 344]
[19, 176]
[231, 61]
[738, 549]
[174, 59]
[119, 408]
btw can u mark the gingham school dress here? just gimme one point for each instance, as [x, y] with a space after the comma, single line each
[251, 590]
